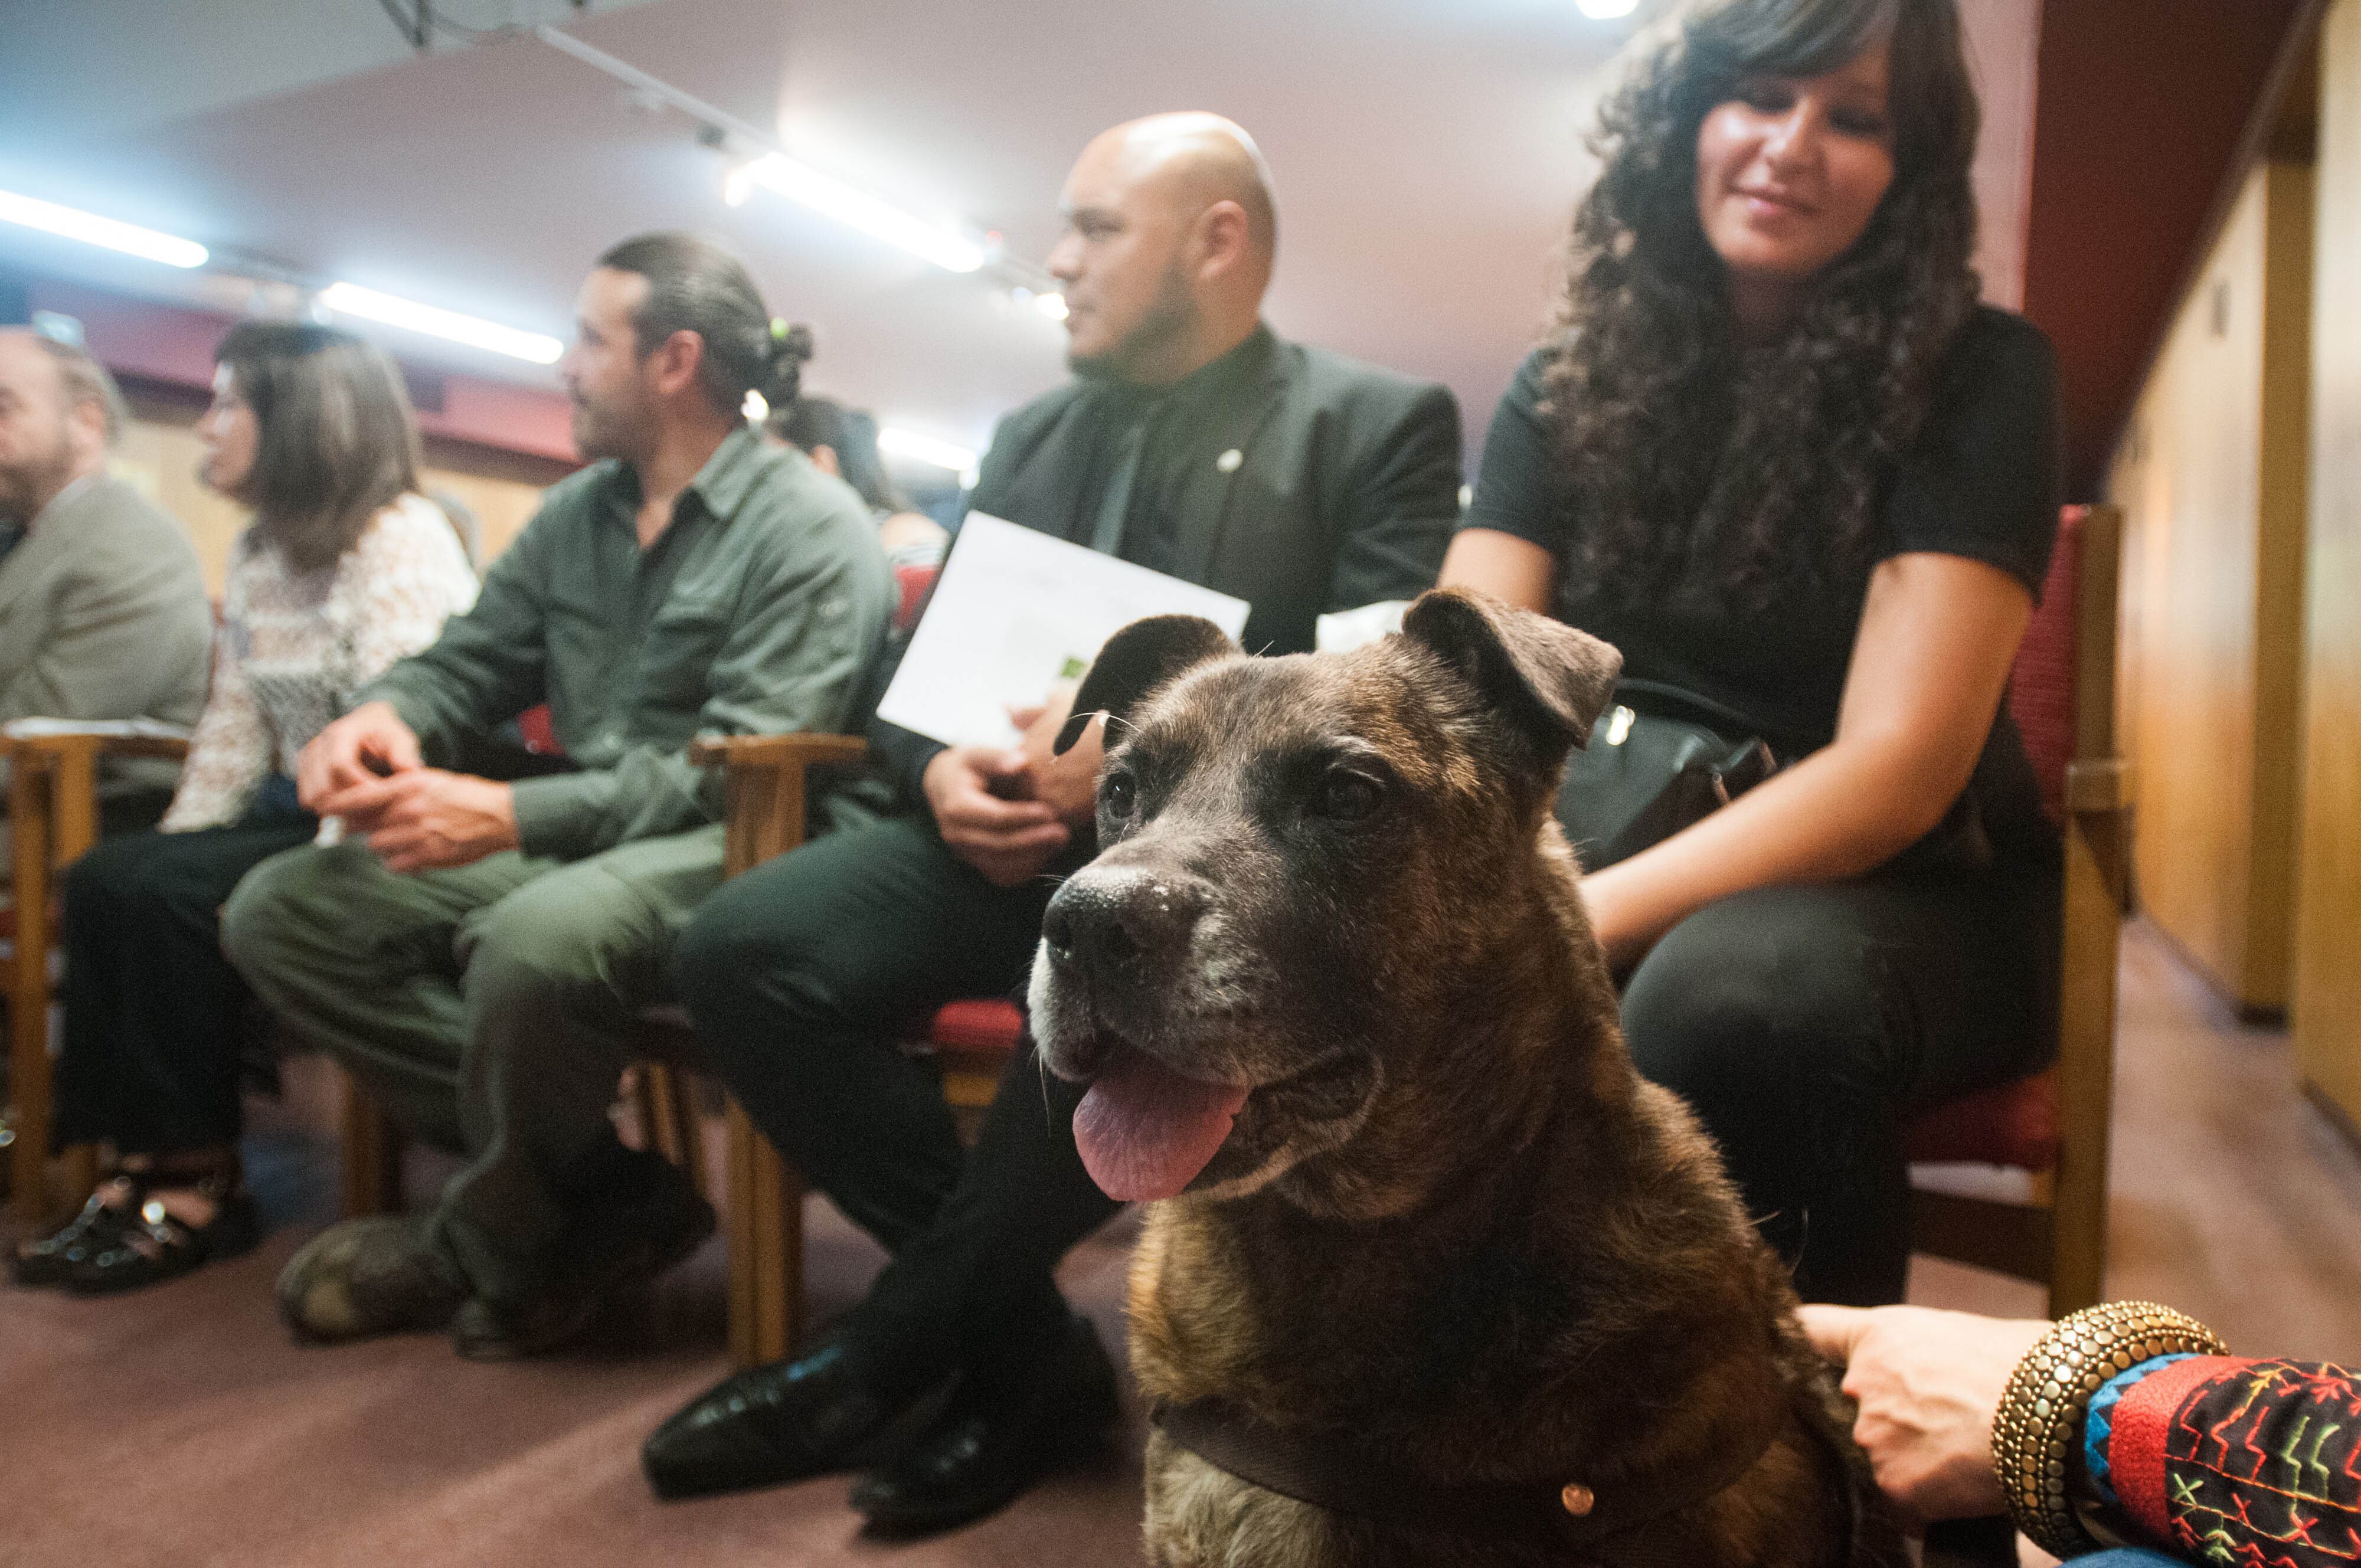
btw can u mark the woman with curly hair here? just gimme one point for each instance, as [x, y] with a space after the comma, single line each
[1775, 452]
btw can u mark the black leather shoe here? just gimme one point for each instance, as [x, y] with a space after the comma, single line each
[995, 1439]
[785, 1421]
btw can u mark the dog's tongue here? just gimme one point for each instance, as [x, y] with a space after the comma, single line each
[1145, 1132]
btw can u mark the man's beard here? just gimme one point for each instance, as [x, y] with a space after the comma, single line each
[598, 431]
[28, 485]
[1170, 317]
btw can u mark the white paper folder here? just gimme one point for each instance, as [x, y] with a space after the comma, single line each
[1014, 613]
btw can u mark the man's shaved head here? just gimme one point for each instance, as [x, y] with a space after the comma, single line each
[1171, 233]
[1195, 159]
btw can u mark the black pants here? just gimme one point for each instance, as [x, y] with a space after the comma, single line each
[1805, 1024]
[152, 1010]
[804, 977]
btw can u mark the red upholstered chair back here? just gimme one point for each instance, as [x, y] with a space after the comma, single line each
[2016, 1123]
[914, 581]
[2055, 1124]
[2041, 694]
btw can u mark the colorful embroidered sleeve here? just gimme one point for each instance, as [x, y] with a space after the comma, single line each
[2246, 1463]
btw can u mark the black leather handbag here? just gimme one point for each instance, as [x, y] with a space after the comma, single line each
[1659, 759]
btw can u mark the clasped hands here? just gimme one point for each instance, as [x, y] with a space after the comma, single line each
[1006, 810]
[365, 768]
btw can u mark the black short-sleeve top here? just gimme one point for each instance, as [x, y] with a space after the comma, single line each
[1981, 480]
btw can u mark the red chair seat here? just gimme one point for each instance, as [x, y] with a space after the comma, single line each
[2014, 1124]
[981, 1024]
[910, 584]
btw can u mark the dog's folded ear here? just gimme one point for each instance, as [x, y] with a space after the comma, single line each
[1546, 679]
[1135, 662]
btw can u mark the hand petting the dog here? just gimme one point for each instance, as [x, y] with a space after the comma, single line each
[1927, 1383]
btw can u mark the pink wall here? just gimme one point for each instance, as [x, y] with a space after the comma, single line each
[174, 344]
[2003, 39]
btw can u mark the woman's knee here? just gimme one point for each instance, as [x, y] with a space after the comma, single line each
[115, 875]
[1755, 999]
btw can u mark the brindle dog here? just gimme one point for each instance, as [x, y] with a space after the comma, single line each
[1427, 1249]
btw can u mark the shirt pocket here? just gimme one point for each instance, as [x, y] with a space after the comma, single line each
[678, 656]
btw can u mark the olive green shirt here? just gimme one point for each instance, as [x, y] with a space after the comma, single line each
[761, 609]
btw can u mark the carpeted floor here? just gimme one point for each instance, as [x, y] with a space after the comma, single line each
[179, 1426]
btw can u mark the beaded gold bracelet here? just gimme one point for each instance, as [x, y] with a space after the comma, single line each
[2040, 1416]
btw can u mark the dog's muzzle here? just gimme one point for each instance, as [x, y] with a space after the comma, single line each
[1115, 930]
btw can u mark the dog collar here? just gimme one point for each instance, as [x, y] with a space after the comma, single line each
[1342, 1478]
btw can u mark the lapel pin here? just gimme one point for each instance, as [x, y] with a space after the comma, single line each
[1578, 1499]
[1228, 461]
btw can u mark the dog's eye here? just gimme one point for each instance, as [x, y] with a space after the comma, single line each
[1118, 793]
[1347, 797]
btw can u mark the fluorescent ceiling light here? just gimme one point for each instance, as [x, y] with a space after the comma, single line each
[351, 300]
[858, 209]
[1050, 304]
[91, 229]
[1607, 10]
[926, 449]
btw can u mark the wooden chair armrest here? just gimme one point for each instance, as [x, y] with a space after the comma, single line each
[796, 750]
[57, 740]
[766, 778]
[2100, 784]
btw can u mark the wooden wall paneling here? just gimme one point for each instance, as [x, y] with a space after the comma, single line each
[2285, 503]
[2326, 1011]
[2191, 511]
[2213, 602]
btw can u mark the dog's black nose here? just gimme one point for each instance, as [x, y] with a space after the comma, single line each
[1117, 926]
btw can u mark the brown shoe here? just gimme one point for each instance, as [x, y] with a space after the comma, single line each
[613, 1259]
[363, 1277]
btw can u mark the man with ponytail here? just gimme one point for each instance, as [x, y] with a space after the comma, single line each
[473, 949]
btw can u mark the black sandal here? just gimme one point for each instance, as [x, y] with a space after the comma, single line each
[155, 1246]
[53, 1258]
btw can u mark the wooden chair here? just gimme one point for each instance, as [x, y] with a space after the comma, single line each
[2049, 1133]
[53, 819]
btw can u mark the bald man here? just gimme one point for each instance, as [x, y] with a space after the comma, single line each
[1192, 441]
[103, 608]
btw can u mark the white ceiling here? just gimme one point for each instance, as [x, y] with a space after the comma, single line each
[1426, 154]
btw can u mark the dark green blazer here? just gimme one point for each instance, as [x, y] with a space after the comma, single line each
[1344, 492]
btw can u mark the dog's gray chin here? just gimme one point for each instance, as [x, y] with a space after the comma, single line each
[1062, 1028]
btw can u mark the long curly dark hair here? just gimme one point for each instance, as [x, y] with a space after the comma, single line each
[1731, 475]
